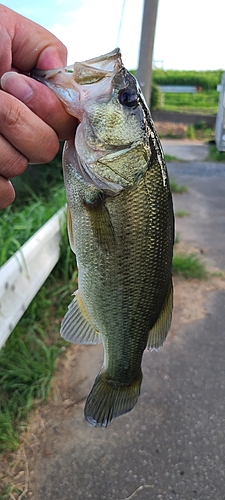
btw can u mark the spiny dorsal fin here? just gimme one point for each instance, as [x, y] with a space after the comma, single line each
[159, 331]
[76, 326]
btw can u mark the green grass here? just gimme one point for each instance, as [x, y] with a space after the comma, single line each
[215, 155]
[177, 188]
[169, 158]
[18, 223]
[28, 359]
[189, 266]
[181, 108]
[207, 80]
[181, 213]
[204, 102]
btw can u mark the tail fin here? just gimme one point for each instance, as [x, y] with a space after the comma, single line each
[107, 400]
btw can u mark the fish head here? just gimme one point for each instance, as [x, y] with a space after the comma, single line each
[112, 139]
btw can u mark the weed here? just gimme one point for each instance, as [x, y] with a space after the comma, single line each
[169, 158]
[26, 369]
[181, 213]
[19, 223]
[9, 436]
[177, 238]
[215, 155]
[191, 132]
[205, 103]
[28, 359]
[7, 493]
[176, 188]
[189, 266]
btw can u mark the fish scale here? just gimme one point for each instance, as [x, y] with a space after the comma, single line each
[121, 227]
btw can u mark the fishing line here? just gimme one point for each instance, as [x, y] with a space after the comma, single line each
[121, 22]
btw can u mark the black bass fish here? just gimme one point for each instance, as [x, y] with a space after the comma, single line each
[120, 224]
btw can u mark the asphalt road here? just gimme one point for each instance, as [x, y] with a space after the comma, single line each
[205, 202]
[190, 150]
[172, 445]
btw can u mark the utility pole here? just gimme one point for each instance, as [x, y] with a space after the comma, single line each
[144, 71]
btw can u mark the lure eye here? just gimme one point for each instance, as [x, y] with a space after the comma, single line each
[128, 98]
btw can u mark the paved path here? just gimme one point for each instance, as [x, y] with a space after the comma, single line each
[205, 202]
[172, 445]
[185, 149]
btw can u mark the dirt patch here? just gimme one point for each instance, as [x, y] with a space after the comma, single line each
[75, 370]
[168, 129]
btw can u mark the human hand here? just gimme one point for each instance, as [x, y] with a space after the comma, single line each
[32, 119]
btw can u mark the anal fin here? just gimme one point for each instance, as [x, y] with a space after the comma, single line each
[76, 326]
[159, 331]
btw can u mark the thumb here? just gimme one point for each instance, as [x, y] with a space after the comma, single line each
[42, 101]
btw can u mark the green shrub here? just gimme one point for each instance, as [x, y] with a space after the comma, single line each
[191, 132]
[155, 100]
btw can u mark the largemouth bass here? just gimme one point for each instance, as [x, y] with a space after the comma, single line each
[120, 224]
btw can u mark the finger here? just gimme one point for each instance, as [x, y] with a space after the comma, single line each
[42, 101]
[6, 52]
[30, 135]
[32, 45]
[12, 162]
[7, 193]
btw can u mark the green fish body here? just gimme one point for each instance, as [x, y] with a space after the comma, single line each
[121, 228]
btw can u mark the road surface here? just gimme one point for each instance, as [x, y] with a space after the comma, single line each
[172, 445]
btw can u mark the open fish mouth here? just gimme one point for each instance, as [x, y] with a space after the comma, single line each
[86, 72]
[76, 84]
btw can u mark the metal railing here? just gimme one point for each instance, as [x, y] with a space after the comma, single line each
[25, 272]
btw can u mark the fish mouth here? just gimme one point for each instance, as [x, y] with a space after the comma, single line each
[75, 85]
[86, 72]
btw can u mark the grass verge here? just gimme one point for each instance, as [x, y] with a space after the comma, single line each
[28, 359]
[215, 155]
[189, 266]
[169, 158]
[19, 223]
[177, 188]
[181, 213]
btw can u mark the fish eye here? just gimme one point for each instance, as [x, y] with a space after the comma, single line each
[128, 98]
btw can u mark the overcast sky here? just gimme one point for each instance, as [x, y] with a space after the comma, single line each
[189, 33]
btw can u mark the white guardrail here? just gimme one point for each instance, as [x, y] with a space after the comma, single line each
[25, 272]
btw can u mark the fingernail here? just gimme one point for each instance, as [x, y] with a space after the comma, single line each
[16, 85]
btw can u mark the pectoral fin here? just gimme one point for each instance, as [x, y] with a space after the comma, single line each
[100, 222]
[158, 333]
[76, 326]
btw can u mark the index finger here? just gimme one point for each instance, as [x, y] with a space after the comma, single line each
[25, 44]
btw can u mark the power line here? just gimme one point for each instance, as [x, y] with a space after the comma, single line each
[121, 22]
